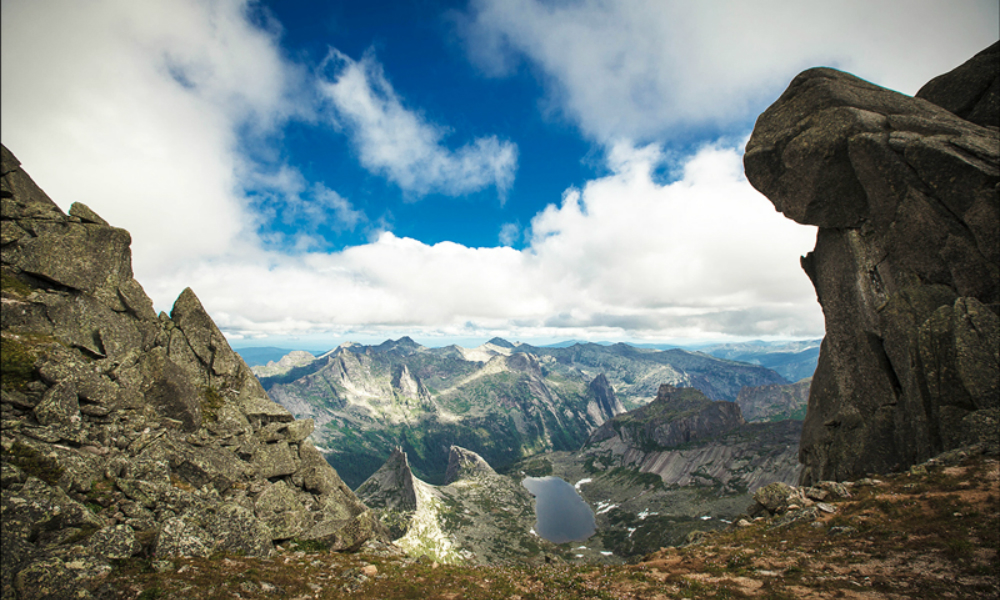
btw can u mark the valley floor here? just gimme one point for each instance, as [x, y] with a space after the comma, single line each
[924, 534]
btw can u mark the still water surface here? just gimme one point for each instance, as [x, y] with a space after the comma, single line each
[562, 515]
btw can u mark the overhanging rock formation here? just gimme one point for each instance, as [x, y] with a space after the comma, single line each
[905, 194]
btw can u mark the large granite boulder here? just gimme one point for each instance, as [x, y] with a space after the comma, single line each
[907, 259]
[125, 432]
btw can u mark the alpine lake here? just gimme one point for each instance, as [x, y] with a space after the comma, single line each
[561, 513]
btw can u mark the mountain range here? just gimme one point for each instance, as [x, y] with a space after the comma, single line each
[652, 475]
[793, 360]
[502, 400]
[141, 457]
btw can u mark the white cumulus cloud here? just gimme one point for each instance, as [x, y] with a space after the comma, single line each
[134, 108]
[624, 256]
[139, 109]
[401, 144]
[645, 68]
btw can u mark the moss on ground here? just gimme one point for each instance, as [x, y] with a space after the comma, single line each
[16, 364]
[33, 463]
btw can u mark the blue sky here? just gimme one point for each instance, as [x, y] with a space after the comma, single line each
[328, 171]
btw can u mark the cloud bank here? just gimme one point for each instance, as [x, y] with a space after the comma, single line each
[622, 257]
[135, 109]
[643, 69]
[157, 114]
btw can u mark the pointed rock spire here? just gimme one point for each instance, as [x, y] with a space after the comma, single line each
[391, 486]
[465, 464]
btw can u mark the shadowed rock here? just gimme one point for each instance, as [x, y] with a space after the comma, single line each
[465, 464]
[125, 432]
[972, 90]
[391, 487]
[605, 402]
[905, 195]
[684, 438]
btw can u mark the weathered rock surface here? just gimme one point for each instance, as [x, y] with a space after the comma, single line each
[479, 516]
[129, 433]
[687, 439]
[775, 402]
[905, 194]
[465, 464]
[392, 486]
[605, 403]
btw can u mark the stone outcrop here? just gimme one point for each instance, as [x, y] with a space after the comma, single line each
[465, 464]
[687, 439]
[604, 403]
[905, 194]
[478, 516]
[775, 402]
[392, 486]
[126, 432]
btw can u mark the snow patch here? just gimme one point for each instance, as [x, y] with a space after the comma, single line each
[603, 507]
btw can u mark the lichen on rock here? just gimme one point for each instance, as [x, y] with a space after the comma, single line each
[907, 259]
[126, 433]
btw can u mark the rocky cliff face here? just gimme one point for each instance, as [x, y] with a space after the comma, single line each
[478, 516]
[775, 402]
[687, 439]
[905, 194]
[125, 432]
[605, 403]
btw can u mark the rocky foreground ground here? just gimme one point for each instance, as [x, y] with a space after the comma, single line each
[932, 532]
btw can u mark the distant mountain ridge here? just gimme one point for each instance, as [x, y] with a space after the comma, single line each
[261, 355]
[775, 402]
[685, 437]
[367, 400]
[502, 400]
[792, 360]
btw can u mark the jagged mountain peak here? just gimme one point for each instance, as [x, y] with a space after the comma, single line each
[392, 486]
[500, 342]
[524, 363]
[404, 345]
[604, 395]
[465, 464]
